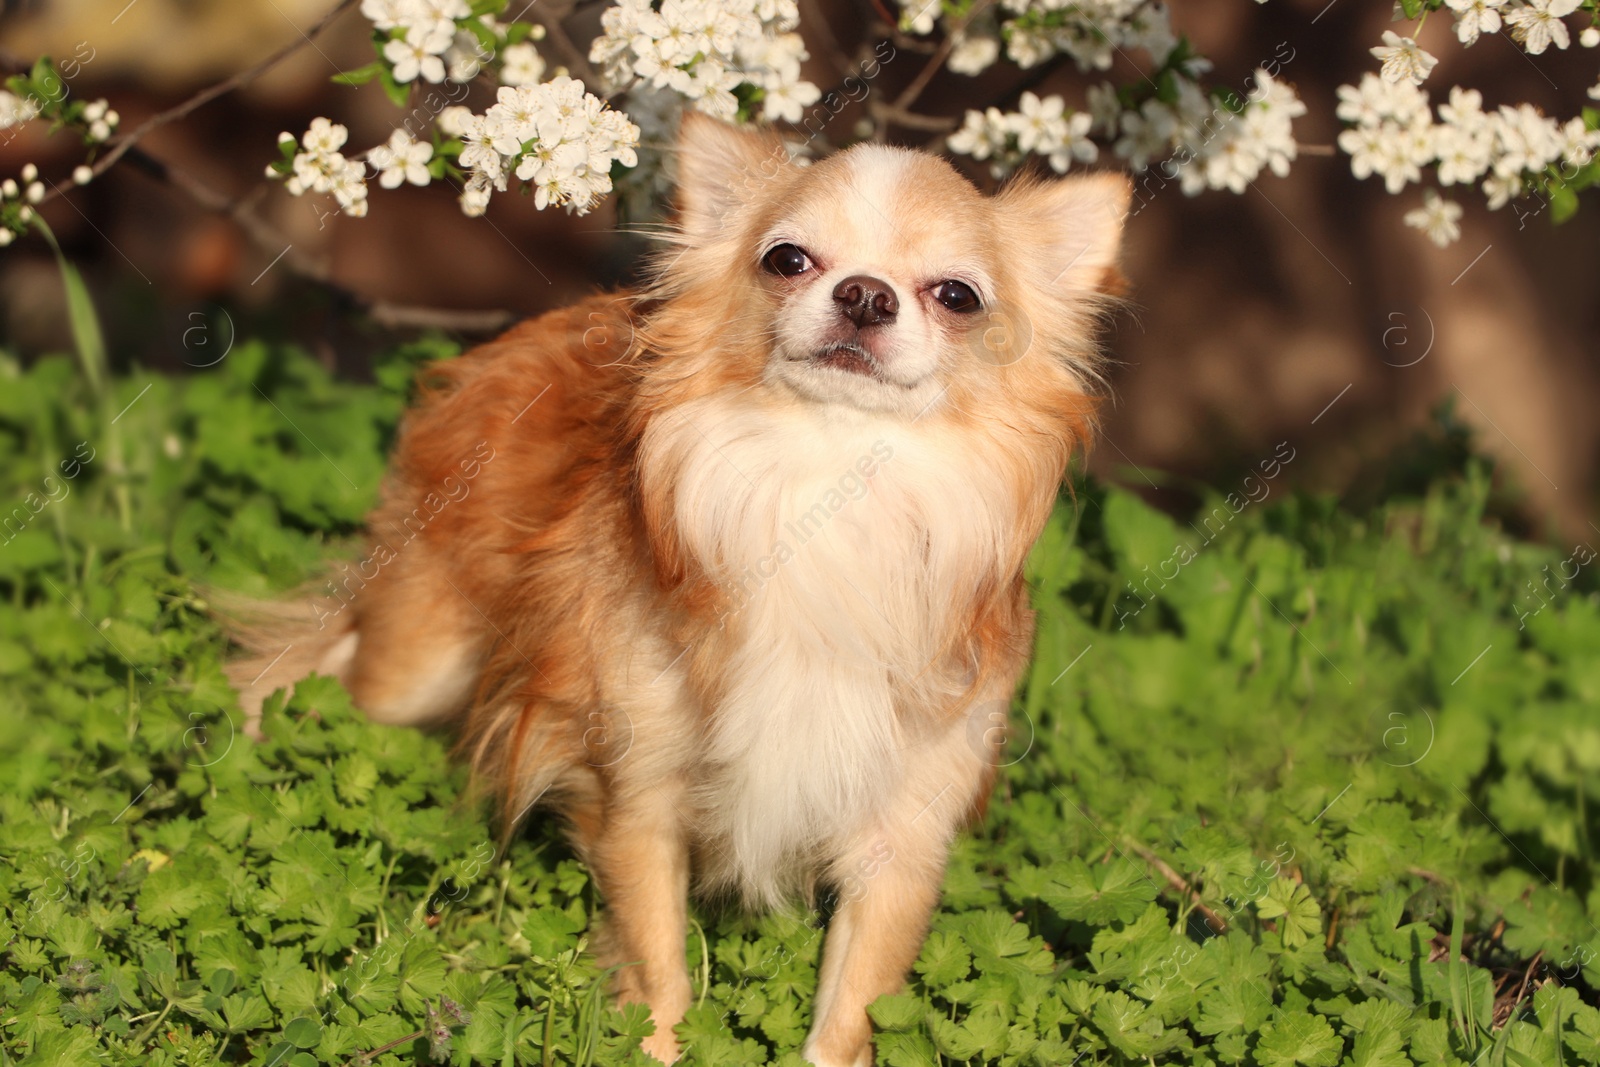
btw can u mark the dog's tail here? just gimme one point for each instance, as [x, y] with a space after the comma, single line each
[283, 641]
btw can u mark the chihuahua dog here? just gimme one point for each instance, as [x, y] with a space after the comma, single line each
[728, 571]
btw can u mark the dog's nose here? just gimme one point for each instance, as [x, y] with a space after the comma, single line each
[866, 301]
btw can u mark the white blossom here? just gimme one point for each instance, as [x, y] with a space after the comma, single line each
[1538, 24]
[789, 102]
[465, 57]
[323, 137]
[411, 58]
[1577, 143]
[475, 197]
[1146, 133]
[1474, 17]
[401, 160]
[454, 121]
[102, 120]
[521, 64]
[1403, 60]
[973, 53]
[1375, 101]
[1105, 108]
[349, 187]
[1463, 156]
[981, 133]
[1438, 218]
[16, 109]
[1500, 190]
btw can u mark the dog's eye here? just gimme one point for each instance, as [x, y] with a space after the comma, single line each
[786, 261]
[957, 296]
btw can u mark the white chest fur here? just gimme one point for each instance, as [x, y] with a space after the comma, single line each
[849, 546]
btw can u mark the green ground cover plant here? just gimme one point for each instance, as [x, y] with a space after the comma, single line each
[1288, 784]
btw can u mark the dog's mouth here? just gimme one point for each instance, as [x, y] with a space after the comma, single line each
[850, 358]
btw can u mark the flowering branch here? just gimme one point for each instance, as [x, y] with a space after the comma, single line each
[1517, 152]
[572, 134]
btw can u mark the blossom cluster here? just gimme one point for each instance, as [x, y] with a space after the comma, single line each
[1392, 132]
[1209, 144]
[319, 167]
[1394, 135]
[424, 40]
[1043, 126]
[1091, 32]
[438, 40]
[16, 203]
[97, 120]
[711, 52]
[39, 95]
[557, 137]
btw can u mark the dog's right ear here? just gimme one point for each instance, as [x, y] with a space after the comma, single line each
[721, 168]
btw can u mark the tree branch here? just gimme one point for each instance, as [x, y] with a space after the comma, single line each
[818, 24]
[911, 120]
[575, 59]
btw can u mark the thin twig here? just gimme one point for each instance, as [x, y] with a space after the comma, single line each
[911, 120]
[904, 101]
[577, 63]
[1523, 988]
[1175, 880]
[123, 144]
[368, 1057]
[817, 23]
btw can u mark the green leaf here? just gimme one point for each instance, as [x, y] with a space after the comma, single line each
[1299, 918]
[360, 75]
[80, 315]
[1114, 891]
[1298, 1038]
[303, 1032]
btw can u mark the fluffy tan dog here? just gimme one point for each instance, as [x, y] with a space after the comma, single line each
[725, 571]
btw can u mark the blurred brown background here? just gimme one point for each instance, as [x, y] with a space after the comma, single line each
[1302, 310]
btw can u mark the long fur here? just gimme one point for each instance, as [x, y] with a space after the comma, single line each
[708, 620]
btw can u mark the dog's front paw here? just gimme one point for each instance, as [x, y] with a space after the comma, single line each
[663, 1045]
[817, 1056]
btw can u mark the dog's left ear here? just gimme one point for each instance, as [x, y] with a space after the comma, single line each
[721, 168]
[1073, 227]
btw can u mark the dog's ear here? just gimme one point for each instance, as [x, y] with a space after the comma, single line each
[721, 168]
[1073, 227]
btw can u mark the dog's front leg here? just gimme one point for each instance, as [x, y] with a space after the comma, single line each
[641, 866]
[888, 884]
